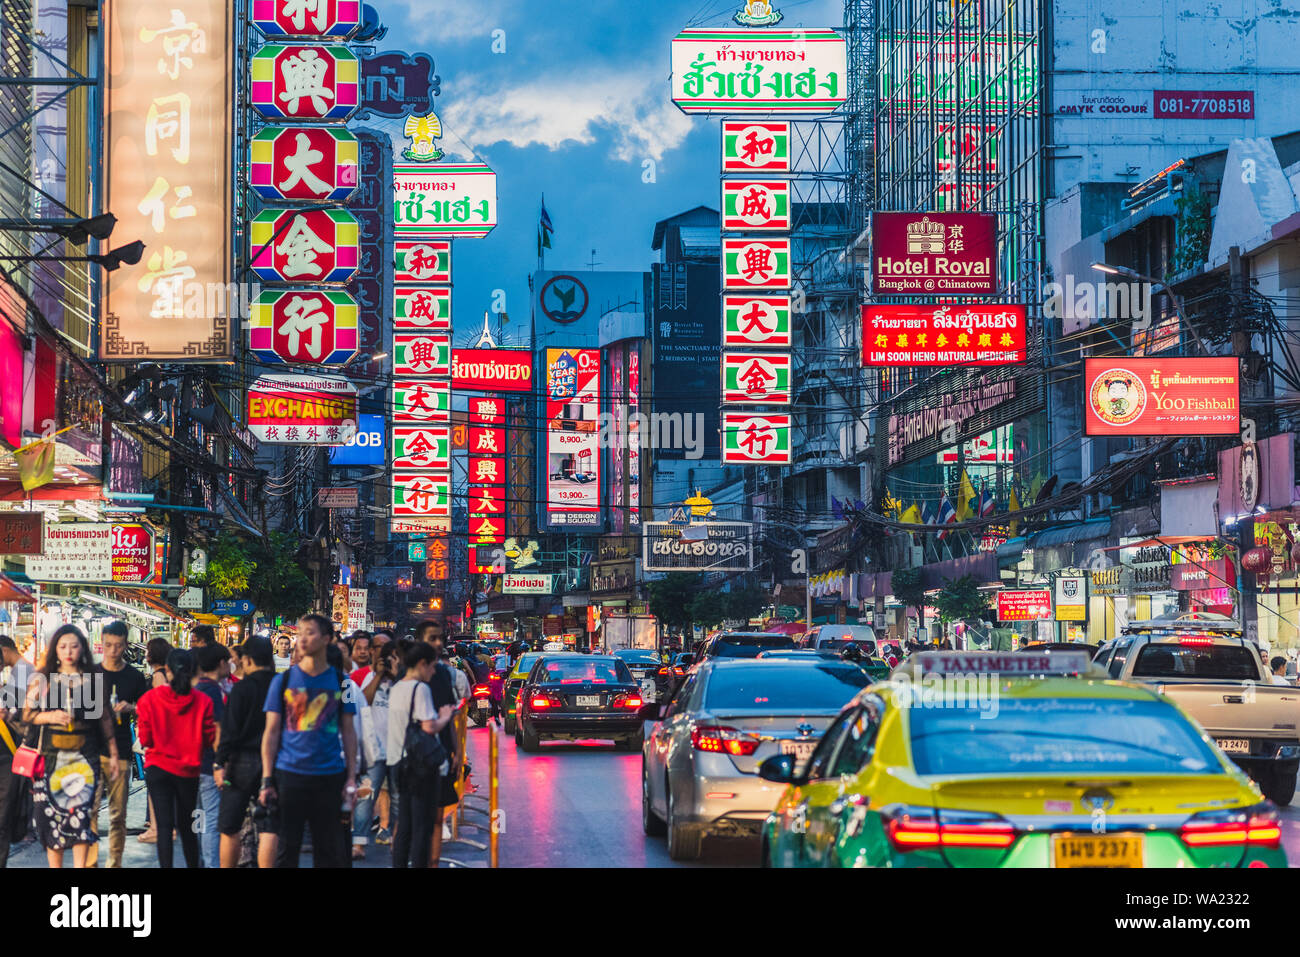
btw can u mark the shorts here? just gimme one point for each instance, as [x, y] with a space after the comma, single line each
[242, 786]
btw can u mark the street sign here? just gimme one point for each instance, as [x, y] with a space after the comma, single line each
[444, 201]
[753, 439]
[754, 378]
[304, 163]
[421, 355]
[305, 82]
[309, 326]
[756, 321]
[311, 245]
[421, 308]
[424, 260]
[307, 18]
[233, 607]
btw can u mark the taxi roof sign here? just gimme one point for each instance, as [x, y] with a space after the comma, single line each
[1006, 663]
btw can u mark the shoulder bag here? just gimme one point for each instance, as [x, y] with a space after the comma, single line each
[424, 754]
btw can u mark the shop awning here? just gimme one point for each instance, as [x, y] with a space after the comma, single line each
[12, 591]
[158, 604]
[1012, 547]
[1078, 532]
[1166, 540]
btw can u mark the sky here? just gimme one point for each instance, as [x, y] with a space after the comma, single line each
[575, 107]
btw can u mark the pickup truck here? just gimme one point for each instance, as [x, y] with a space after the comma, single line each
[1218, 678]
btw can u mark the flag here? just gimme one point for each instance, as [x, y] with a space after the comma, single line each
[1013, 506]
[965, 495]
[35, 463]
[836, 510]
[947, 515]
[927, 516]
[912, 516]
[891, 505]
[544, 229]
[986, 501]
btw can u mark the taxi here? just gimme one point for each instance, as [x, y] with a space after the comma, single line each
[988, 759]
[515, 680]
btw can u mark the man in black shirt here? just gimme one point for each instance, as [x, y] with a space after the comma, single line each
[238, 768]
[123, 687]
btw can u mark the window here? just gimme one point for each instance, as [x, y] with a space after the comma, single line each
[1210, 662]
[681, 703]
[782, 687]
[1103, 655]
[1121, 655]
[858, 744]
[820, 762]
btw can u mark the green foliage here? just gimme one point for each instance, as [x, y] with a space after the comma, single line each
[1193, 231]
[670, 598]
[281, 586]
[909, 587]
[709, 608]
[961, 600]
[229, 569]
[745, 603]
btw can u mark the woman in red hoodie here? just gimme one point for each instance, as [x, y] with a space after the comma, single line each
[175, 725]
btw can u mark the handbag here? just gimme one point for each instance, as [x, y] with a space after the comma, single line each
[28, 761]
[424, 752]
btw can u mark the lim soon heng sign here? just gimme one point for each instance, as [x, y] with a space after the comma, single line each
[703, 546]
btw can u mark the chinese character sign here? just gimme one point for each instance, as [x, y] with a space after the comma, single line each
[572, 446]
[303, 325]
[753, 147]
[302, 410]
[304, 245]
[422, 495]
[421, 308]
[421, 400]
[762, 321]
[753, 263]
[304, 163]
[758, 205]
[307, 18]
[167, 134]
[305, 82]
[418, 355]
[894, 335]
[756, 378]
[422, 261]
[755, 439]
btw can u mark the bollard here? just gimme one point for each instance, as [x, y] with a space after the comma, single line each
[493, 836]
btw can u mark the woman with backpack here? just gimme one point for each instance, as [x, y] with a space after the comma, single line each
[175, 725]
[419, 708]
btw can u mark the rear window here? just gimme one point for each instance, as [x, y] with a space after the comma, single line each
[1058, 736]
[839, 637]
[781, 687]
[580, 670]
[525, 663]
[638, 655]
[1196, 661]
[748, 646]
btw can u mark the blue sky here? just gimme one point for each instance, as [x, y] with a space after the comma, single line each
[574, 108]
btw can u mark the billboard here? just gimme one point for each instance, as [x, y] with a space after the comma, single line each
[444, 201]
[759, 70]
[687, 349]
[302, 410]
[572, 445]
[934, 254]
[492, 370]
[366, 447]
[894, 335]
[701, 546]
[167, 136]
[1159, 397]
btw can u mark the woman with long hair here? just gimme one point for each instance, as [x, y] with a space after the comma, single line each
[71, 725]
[175, 725]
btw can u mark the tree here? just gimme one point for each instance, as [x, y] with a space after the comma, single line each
[743, 604]
[961, 600]
[909, 588]
[229, 569]
[281, 587]
[709, 608]
[670, 598]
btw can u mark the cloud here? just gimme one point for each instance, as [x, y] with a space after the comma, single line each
[630, 104]
[414, 26]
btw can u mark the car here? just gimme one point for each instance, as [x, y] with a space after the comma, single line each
[572, 696]
[699, 766]
[1033, 761]
[644, 664]
[835, 637]
[510, 689]
[670, 676]
[876, 668]
[743, 644]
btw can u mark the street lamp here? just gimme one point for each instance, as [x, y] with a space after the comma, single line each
[129, 255]
[1133, 274]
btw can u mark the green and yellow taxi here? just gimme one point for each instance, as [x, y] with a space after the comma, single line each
[988, 759]
[510, 692]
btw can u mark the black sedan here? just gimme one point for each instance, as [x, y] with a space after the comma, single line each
[572, 697]
[644, 664]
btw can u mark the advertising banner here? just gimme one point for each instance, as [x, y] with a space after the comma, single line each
[948, 335]
[1204, 104]
[366, 447]
[492, 370]
[722, 546]
[1024, 605]
[759, 70]
[572, 448]
[444, 201]
[1160, 397]
[302, 410]
[934, 254]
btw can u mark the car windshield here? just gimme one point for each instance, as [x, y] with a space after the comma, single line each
[748, 646]
[637, 655]
[525, 664]
[841, 635]
[783, 686]
[585, 670]
[500, 662]
[1058, 736]
[1196, 661]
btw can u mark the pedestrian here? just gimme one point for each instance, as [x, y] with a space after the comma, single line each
[283, 647]
[125, 686]
[387, 665]
[155, 656]
[415, 700]
[213, 667]
[15, 678]
[442, 687]
[373, 732]
[201, 635]
[175, 727]
[1278, 664]
[70, 724]
[309, 749]
[237, 769]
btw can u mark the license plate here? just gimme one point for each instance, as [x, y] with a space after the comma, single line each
[802, 750]
[1097, 850]
[588, 701]
[482, 704]
[1233, 745]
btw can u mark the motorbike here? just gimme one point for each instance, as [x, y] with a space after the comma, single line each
[480, 704]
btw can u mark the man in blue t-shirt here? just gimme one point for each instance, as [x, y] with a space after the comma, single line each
[309, 750]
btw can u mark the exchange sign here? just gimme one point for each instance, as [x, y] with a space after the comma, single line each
[755, 147]
[310, 326]
[1158, 397]
[754, 378]
[759, 70]
[421, 308]
[758, 205]
[944, 336]
[752, 439]
[756, 321]
[420, 355]
[305, 82]
[426, 495]
[492, 370]
[304, 163]
[422, 261]
[302, 410]
[421, 400]
[753, 263]
[421, 447]
[307, 18]
[318, 245]
[444, 201]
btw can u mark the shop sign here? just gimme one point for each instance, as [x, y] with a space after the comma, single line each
[421, 447]
[759, 70]
[302, 410]
[894, 335]
[417, 400]
[1071, 593]
[307, 326]
[752, 439]
[133, 553]
[305, 82]
[421, 308]
[755, 263]
[934, 254]
[516, 584]
[1024, 605]
[422, 495]
[421, 355]
[444, 201]
[22, 533]
[756, 321]
[492, 370]
[307, 18]
[1195, 576]
[722, 546]
[755, 147]
[1161, 397]
[304, 163]
[425, 260]
[753, 378]
[756, 205]
[305, 245]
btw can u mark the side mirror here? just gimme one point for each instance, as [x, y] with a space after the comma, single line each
[651, 712]
[778, 768]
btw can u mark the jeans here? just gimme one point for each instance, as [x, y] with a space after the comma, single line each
[373, 778]
[209, 832]
[118, 792]
[174, 800]
[420, 802]
[311, 800]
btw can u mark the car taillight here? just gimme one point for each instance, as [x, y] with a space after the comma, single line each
[679, 672]
[913, 828]
[1256, 826]
[663, 671]
[630, 701]
[721, 740]
[1197, 641]
[540, 701]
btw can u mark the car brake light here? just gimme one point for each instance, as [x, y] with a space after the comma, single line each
[912, 828]
[679, 671]
[722, 740]
[1196, 641]
[663, 671]
[540, 701]
[1256, 826]
[632, 701]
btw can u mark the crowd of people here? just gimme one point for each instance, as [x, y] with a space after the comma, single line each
[248, 754]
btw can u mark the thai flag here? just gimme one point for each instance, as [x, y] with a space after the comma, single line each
[986, 501]
[947, 515]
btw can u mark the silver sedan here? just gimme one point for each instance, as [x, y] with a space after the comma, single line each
[699, 766]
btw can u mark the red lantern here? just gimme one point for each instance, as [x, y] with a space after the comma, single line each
[1257, 559]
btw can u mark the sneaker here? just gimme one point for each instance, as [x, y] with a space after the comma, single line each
[383, 837]
[148, 837]
[358, 852]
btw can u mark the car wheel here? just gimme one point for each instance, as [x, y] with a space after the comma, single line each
[634, 742]
[683, 839]
[1278, 784]
[650, 821]
[510, 726]
[528, 738]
